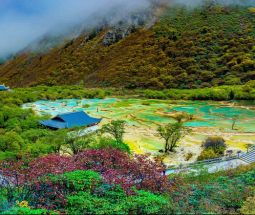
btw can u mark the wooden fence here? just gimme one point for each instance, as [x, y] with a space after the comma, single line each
[210, 161]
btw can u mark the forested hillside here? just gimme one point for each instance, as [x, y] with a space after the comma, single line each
[203, 47]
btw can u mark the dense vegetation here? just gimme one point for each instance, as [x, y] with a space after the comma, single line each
[108, 180]
[49, 171]
[93, 181]
[223, 93]
[224, 192]
[204, 47]
[20, 131]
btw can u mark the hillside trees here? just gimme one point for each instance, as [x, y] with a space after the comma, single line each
[183, 50]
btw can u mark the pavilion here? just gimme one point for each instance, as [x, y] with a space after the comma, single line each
[69, 120]
[4, 88]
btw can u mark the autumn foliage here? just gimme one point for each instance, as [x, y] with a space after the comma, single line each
[204, 47]
[115, 166]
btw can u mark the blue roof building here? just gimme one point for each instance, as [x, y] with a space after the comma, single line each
[68, 120]
[4, 88]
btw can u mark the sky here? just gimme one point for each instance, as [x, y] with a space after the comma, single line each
[23, 21]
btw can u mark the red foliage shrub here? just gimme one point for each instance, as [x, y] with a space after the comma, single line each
[115, 166]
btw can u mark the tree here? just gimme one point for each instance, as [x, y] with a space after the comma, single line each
[191, 116]
[85, 106]
[172, 133]
[77, 140]
[233, 122]
[11, 141]
[179, 117]
[57, 139]
[116, 128]
[78, 102]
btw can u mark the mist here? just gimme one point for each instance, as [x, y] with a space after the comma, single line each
[23, 21]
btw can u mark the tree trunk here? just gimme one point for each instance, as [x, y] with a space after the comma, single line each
[171, 148]
[166, 146]
[173, 144]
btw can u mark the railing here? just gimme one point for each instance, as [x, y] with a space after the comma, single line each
[86, 131]
[210, 161]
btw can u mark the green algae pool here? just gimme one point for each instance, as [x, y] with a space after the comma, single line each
[144, 116]
[209, 114]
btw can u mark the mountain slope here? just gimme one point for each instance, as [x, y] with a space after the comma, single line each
[205, 47]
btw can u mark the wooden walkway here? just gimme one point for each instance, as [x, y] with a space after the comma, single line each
[247, 156]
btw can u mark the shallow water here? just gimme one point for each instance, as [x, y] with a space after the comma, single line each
[209, 114]
[143, 119]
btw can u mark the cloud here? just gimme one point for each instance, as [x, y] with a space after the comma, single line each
[23, 21]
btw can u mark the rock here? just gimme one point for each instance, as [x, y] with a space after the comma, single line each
[123, 29]
[115, 35]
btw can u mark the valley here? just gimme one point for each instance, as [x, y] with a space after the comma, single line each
[127, 107]
[143, 117]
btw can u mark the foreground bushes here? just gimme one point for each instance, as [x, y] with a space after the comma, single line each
[97, 182]
[87, 192]
[219, 193]
[81, 192]
[114, 165]
[94, 181]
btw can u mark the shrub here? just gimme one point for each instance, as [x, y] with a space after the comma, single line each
[214, 148]
[248, 206]
[207, 154]
[85, 106]
[81, 180]
[180, 117]
[24, 211]
[188, 156]
[114, 200]
[108, 141]
[146, 103]
[112, 164]
[214, 142]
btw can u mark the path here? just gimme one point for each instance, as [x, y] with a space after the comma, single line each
[214, 167]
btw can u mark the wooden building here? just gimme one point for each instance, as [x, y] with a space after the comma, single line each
[69, 120]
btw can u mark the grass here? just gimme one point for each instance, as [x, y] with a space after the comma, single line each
[239, 145]
[243, 137]
[192, 141]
